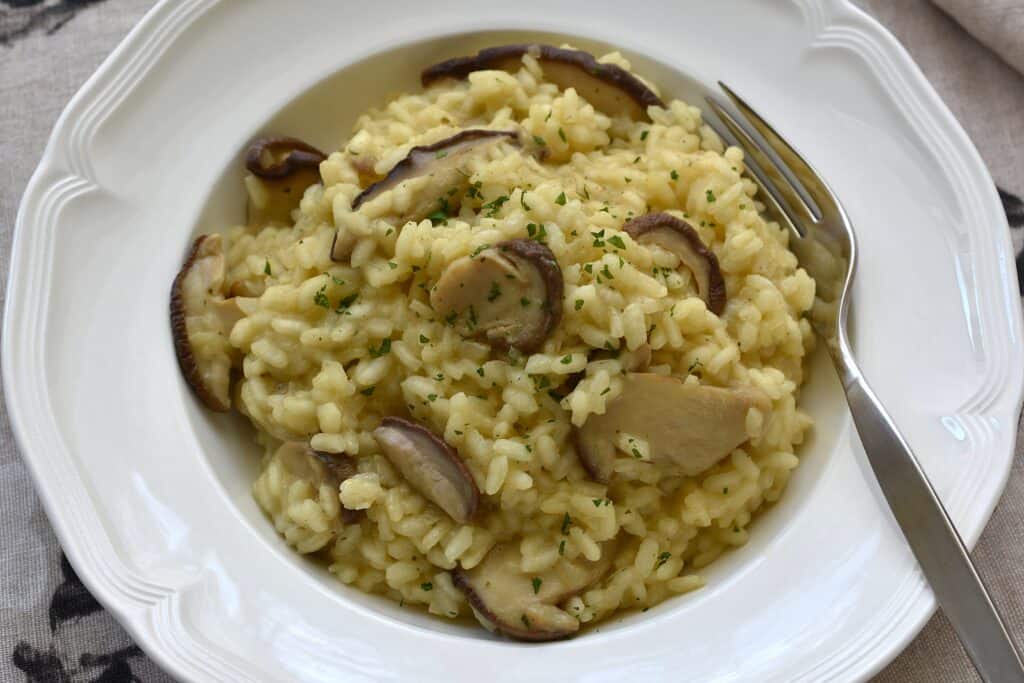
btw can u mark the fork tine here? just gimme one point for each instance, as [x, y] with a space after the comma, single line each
[768, 191]
[791, 163]
[772, 174]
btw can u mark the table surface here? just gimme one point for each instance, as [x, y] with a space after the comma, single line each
[53, 630]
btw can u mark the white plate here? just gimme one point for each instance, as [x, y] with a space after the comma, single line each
[150, 494]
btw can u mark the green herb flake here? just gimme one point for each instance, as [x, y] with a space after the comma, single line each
[480, 371]
[586, 194]
[674, 174]
[537, 581]
[522, 201]
[560, 199]
[539, 141]
[438, 218]
[605, 390]
[494, 292]
[662, 559]
[566, 359]
[266, 267]
[337, 280]
[476, 252]
[561, 547]
[643, 135]
[384, 348]
[566, 523]
[368, 391]
[607, 273]
[424, 340]
[636, 161]
[616, 242]
[578, 304]
[320, 298]
[561, 134]
[710, 196]
[526, 622]
[636, 453]
[597, 502]
[431, 397]
[441, 154]
[524, 302]
[426, 586]
[347, 301]
[725, 490]
[493, 207]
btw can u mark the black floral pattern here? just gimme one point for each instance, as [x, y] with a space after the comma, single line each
[1014, 207]
[18, 18]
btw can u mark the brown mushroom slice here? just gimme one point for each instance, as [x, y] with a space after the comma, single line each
[441, 162]
[318, 468]
[510, 294]
[688, 427]
[430, 465]
[524, 605]
[201, 320]
[610, 88]
[282, 168]
[679, 237]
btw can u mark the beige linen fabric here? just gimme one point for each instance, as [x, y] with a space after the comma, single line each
[50, 628]
[999, 24]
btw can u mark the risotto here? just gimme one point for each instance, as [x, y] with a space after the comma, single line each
[523, 347]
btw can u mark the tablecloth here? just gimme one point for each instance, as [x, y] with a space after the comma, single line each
[52, 630]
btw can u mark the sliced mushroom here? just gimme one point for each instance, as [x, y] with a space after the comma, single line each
[524, 605]
[509, 294]
[319, 468]
[687, 427]
[430, 465]
[201, 320]
[610, 88]
[282, 169]
[679, 237]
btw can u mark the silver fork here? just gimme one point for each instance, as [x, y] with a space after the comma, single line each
[823, 240]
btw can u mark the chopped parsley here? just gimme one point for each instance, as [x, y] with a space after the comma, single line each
[578, 304]
[347, 301]
[431, 397]
[539, 140]
[320, 298]
[493, 207]
[524, 302]
[266, 267]
[561, 134]
[476, 252]
[560, 199]
[636, 161]
[522, 200]
[337, 280]
[635, 452]
[662, 559]
[561, 547]
[566, 359]
[426, 586]
[566, 523]
[598, 238]
[494, 292]
[616, 242]
[537, 581]
[384, 348]
[607, 273]
[643, 136]
[368, 391]
[710, 196]
[474, 190]
[424, 340]
[674, 174]
[480, 371]
[441, 154]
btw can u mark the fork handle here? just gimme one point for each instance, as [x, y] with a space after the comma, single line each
[939, 550]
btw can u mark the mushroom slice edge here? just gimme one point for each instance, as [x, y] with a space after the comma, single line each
[510, 294]
[282, 168]
[201, 320]
[610, 88]
[680, 238]
[524, 605]
[430, 465]
[688, 427]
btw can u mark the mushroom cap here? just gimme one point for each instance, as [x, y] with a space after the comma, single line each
[282, 168]
[440, 162]
[688, 427]
[679, 237]
[510, 294]
[610, 88]
[524, 605]
[201, 319]
[430, 465]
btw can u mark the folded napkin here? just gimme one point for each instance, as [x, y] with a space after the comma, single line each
[999, 24]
